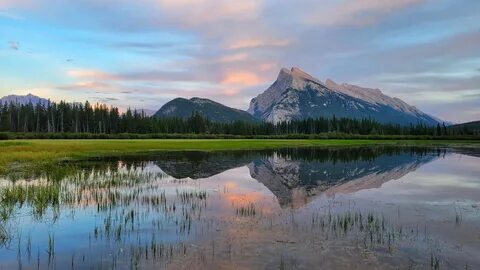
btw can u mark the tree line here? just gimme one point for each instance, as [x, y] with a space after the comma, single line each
[97, 118]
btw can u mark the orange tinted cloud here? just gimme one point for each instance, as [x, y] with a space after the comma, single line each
[241, 78]
[89, 74]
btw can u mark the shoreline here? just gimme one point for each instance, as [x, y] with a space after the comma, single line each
[21, 155]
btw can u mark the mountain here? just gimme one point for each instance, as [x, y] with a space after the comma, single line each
[24, 100]
[297, 95]
[214, 111]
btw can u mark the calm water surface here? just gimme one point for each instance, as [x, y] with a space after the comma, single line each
[337, 208]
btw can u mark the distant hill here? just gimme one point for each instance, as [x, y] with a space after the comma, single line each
[298, 95]
[214, 111]
[470, 127]
[23, 100]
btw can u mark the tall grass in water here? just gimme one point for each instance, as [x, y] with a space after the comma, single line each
[135, 215]
[4, 236]
[248, 210]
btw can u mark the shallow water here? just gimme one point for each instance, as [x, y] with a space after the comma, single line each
[336, 208]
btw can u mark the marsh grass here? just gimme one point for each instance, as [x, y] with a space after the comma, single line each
[126, 201]
[4, 236]
[39, 198]
[28, 155]
[434, 262]
[248, 210]
[124, 212]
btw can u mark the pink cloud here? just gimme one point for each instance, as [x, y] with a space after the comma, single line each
[231, 58]
[257, 42]
[90, 74]
[231, 92]
[195, 12]
[267, 67]
[7, 4]
[241, 78]
[97, 86]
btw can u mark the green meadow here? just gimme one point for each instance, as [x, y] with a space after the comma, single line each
[25, 154]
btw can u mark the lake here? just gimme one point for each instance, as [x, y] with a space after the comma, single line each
[329, 208]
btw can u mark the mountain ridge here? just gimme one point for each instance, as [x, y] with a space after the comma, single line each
[296, 94]
[472, 126]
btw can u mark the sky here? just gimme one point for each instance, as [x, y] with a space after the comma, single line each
[143, 53]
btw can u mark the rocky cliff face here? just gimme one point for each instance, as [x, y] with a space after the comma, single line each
[297, 95]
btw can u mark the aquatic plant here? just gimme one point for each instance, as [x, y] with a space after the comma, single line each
[246, 211]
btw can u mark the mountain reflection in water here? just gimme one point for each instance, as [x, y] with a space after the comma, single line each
[295, 175]
[175, 205]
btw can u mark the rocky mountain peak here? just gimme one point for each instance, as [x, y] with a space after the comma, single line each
[298, 95]
[330, 82]
[289, 81]
[296, 78]
[297, 72]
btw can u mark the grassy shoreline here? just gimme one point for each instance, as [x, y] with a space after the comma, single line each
[28, 154]
[190, 136]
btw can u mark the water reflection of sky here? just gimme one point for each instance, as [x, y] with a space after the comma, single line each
[453, 179]
[441, 192]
